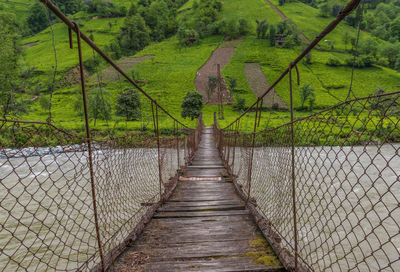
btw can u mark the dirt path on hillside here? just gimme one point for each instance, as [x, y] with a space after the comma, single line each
[283, 16]
[221, 56]
[259, 84]
[127, 64]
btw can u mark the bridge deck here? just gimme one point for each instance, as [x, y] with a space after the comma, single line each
[204, 226]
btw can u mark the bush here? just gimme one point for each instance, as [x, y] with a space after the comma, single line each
[333, 62]
[359, 63]
[188, 37]
[240, 105]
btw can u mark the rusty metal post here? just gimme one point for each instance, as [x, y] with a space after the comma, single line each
[157, 134]
[234, 145]
[89, 143]
[249, 172]
[293, 168]
[177, 144]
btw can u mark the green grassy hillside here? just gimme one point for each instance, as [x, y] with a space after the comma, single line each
[170, 73]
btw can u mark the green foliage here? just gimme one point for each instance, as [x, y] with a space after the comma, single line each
[211, 85]
[324, 10]
[232, 84]
[391, 52]
[188, 37]
[37, 17]
[307, 94]
[262, 27]
[135, 36]
[99, 106]
[103, 8]
[44, 102]
[9, 69]
[128, 104]
[272, 35]
[192, 105]
[240, 104]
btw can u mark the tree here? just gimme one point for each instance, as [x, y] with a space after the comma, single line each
[192, 105]
[272, 35]
[324, 10]
[128, 104]
[391, 52]
[68, 6]
[395, 29]
[307, 93]
[10, 53]
[212, 84]
[135, 35]
[99, 107]
[369, 47]
[262, 27]
[37, 17]
[346, 39]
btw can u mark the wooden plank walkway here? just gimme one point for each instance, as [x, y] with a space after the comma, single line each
[204, 226]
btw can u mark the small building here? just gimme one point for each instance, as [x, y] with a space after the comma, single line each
[280, 39]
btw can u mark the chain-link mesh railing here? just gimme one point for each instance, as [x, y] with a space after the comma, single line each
[46, 198]
[325, 189]
[346, 183]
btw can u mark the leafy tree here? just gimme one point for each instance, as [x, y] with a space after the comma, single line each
[324, 10]
[346, 39]
[391, 52]
[384, 106]
[272, 35]
[244, 26]
[369, 46]
[395, 29]
[262, 27]
[307, 93]
[281, 2]
[99, 107]
[135, 35]
[336, 10]
[211, 85]
[397, 64]
[192, 105]
[68, 6]
[9, 70]
[128, 104]
[188, 37]
[37, 17]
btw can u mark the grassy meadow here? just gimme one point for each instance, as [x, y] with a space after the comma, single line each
[170, 73]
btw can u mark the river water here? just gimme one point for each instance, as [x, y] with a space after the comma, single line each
[348, 203]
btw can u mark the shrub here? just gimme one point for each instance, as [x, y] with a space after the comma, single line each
[333, 62]
[240, 105]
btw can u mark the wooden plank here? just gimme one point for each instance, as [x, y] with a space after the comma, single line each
[202, 208]
[199, 214]
[228, 264]
[204, 203]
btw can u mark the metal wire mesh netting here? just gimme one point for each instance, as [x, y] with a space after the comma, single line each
[46, 200]
[345, 203]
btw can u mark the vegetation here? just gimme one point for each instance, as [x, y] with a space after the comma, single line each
[128, 104]
[192, 105]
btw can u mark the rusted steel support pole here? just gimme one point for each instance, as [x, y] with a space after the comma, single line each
[249, 173]
[293, 177]
[89, 144]
[234, 145]
[177, 144]
[157, 134]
